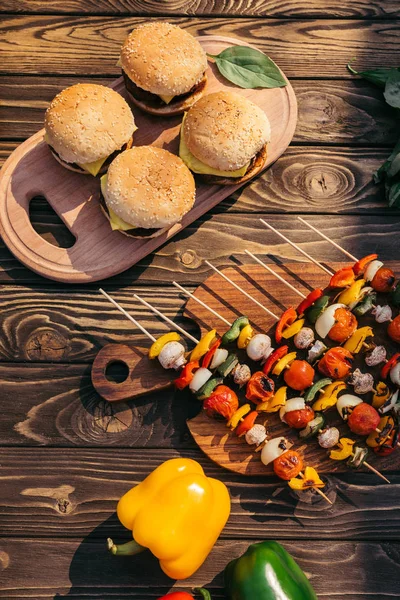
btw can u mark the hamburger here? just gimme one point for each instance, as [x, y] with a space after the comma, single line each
[163, 68]
[224, 138]
[145, 191]
[87, 126]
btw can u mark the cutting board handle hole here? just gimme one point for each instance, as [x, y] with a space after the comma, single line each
[117, 371]
[48, 224]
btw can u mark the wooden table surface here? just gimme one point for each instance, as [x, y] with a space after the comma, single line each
[66, 456]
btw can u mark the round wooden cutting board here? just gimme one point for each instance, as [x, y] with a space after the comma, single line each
[98, 251]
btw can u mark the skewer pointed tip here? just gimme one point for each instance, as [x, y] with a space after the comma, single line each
[371, 468]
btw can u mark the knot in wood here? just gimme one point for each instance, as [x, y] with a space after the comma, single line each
[64, 506]
[46, 344]
[190, 259]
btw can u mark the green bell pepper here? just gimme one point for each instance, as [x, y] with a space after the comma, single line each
[266, 572]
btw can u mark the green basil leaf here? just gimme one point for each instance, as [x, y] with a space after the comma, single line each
[394, 167]
[394, 194]
[377, 76]
[392, 89]
[380, 174]
[248, 68]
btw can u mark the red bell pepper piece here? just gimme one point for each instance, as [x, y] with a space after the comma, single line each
[274, 357]
[247, 423]
[288, 317]
[361, 264]
[342, 278]
[309, 301]
[209, 355]
[390, 363]
[187, 374]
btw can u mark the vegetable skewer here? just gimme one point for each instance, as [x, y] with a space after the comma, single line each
[325, 237]
[166, 319]
[289, 285]
[214, 312]
[127, 315]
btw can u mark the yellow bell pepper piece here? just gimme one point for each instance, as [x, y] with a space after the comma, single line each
[245, 336]
[344, 451]
[275, 403]
[238, 415]
[203, 346]
[329, 396]
[177, 513]
[284, 362]
[293, 329]
[375, 438]
[159, 344]
[355, 342]
[381, 395]
[352, 293]
[310, 479]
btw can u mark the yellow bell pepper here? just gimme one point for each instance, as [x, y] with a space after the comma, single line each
[329, 396]
[352, 293]
[203, 346]
[238, 415]
[344, 451]
[381, 394]
[386, 425]
[245, 336]
[275, 403]
[310, 479]
[284, 362]
[177, 513]
[355, 342]
[293, 329]
[159, 344]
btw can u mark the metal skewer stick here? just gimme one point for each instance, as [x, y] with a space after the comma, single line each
[317, 490]
[214, 312]
[325, 237]
[371, 468]
[241, 290]
[127, 315]
[268, 268]
[166, 319]
[296, 247]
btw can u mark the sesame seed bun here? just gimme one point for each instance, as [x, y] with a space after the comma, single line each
[225, 131]
[163, 59]
[87, 122]
[149, 188]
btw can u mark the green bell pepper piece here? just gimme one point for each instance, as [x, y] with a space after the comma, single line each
[312, 391]
[366, 304]
[317, 308]
[266, 572]
[395, 295]
[207, 389]
[233, 333]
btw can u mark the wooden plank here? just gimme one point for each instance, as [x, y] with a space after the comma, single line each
[74, 492]
[386, 9]
[220, 237]
[57, 406]
[90, 45]
[330, 112]
[83, 569]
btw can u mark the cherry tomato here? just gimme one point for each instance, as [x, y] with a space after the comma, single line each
[364, 419]
[222, 402]
[394, 329]
[345, 325]
[298, 419]
[384, 280]
[361, 264]
[288, 465]
[299, 375]
[177, 596]
[247, 423]
[336, 363]
[259, 388]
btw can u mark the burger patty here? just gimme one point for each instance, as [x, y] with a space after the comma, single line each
[106, 163]
[255, 165]
[135, 231]
[155, 101]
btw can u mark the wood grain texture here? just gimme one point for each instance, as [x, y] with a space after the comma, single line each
[330, 112]
[74, 492]
[386, 9]
[90, 45]
[84, 569]
[220, 237]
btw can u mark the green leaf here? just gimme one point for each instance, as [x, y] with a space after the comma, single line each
[393, 194]
[392, 89]
[384, 169]
[377, 76]
[248, 68]
[394, 167]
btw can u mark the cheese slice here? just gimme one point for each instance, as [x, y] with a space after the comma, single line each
[195, 165]
[116, 223]
[93, 168]
[166, 99]
[119, 64]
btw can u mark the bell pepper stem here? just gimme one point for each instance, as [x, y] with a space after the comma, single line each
[128, 549]
[204, 593]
